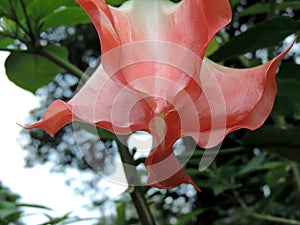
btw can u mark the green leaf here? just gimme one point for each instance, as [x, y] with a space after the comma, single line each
[33, 206]
[257, 37]
[65, 17]
[38, 9]
[259, 8]
[276, 176]
[31, 71]
[4, 6]
[115, 2]
[5, 41]
[253, 165]
[233, 3]
[185, 219]
[121, 214]
[255, 9]
[103, 134]
[212, 47]
[56, 220]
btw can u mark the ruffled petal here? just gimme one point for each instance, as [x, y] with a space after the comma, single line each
[244, 98]
[101, 102]
[57, 116]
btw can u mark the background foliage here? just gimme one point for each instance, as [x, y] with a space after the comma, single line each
[256, 176]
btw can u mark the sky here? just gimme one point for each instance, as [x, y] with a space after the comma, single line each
[36, 185]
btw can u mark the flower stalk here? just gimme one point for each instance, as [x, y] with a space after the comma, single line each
[137, 192]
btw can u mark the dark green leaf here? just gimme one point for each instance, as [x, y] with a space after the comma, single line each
[289, 70]
[253, 165]
[266, 34]
[65, 17]
[287, 102]
[115, 2]
[38, 9]
[31, 71]
[282, 141]
[272, 136]
[275, 176]
[4, 6]
[185, 219]
[255, 9]
[218, 187]
[33, 206]
[292, 153]
[233, 3]
[288, 97]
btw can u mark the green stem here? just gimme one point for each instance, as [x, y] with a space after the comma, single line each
[137, 192]
[55, 59]
[260, 216]
[199, 153]
[15, 18]
[31, 33]
[63, 63]
[296, 173]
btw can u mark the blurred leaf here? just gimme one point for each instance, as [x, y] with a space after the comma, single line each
[4, 6]
[31, 71]
[38, 9]
[5, 41]
[257, 37]
[8, 25]
[34, 206]
[121, 214]
[253, 164]
[185, 219]
[233, 3]
[66, 17]
[212, 47]
[56, 220]
[275, 176]
[271, 165]
[255, 9]
[218, 187]
[264, 7]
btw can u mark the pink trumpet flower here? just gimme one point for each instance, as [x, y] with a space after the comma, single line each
[154, 78]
